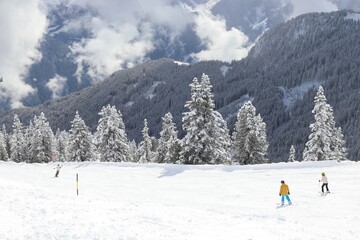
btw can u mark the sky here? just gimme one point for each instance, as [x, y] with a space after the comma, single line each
[123, 33]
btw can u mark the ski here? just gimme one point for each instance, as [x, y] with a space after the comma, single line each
[283, 205]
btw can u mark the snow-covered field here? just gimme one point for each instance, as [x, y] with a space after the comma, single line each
[150, 201]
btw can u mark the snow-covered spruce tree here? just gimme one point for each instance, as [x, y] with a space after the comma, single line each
[28, 135]
[207, 139]
[62, 145]
[169, 144]
[3, 152]
[291, 154]
[110, 137]
[133, 152]
[146, 155]
[339, 152]
[249, 137]
[17, 141]
[80, 141]
[43, 140]
[7, 140]
[325, 140]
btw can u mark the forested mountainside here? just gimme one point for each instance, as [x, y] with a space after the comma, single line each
[280, 76]
[57, 62]
[70, 26]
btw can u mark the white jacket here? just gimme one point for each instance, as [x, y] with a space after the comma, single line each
[324, 179]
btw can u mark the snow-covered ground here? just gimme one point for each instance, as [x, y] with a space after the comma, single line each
[151, 201]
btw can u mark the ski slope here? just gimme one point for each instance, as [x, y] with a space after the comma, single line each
[153, 201]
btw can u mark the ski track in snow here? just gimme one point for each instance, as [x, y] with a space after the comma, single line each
[155, 201]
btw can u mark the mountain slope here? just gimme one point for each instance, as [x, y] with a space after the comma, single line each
[280, 76]
[67, 47]
[162, 201]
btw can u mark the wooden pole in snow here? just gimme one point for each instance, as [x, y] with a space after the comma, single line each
[77, 184]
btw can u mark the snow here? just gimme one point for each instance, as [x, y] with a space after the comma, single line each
[209, 5]
[150, 93]
[224, 69]
[260, 26]
[159, 201]
[291, 95]
[353, 16]
[129, 104]
[181, 63]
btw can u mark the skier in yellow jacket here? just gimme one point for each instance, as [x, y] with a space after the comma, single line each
[284, 193]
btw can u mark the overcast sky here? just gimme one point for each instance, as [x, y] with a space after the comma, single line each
[123, 33]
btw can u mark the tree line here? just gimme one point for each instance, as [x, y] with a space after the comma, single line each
[207, 139]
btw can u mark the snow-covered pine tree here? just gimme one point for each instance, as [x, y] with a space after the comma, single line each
[28, 135]
[17, 141]
[260, 132]
[169, 144]
[62, 145]
[291, 154]
[110, 137]
[249, 137]
[3, 152]
[133, 152]
[146, 155]
[7, 140]
[339, 151]
[325, 140]
[80, 141]
[207, 139]
[43, 141]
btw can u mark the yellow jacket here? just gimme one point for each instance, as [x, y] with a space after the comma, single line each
[284, 189]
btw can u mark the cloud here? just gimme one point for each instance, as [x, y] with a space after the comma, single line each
[347, 4]
[307, 6]
[56, 85]
[112, 48]
[122, 33]
[220, 43]
[22, 24]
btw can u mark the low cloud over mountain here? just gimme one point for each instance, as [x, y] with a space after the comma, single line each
[85, 41]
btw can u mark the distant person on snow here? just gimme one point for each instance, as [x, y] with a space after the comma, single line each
[58, 167]
[284, 193]
[325, 182]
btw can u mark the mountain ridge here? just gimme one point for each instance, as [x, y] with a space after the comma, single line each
[327, 54]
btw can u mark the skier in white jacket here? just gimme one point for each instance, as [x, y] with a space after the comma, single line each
[325, 182]
[58, 167]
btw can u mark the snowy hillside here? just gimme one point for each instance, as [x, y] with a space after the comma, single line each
[135, 201]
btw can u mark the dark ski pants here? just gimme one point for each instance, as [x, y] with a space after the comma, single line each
[57, 173]
[325, 185]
